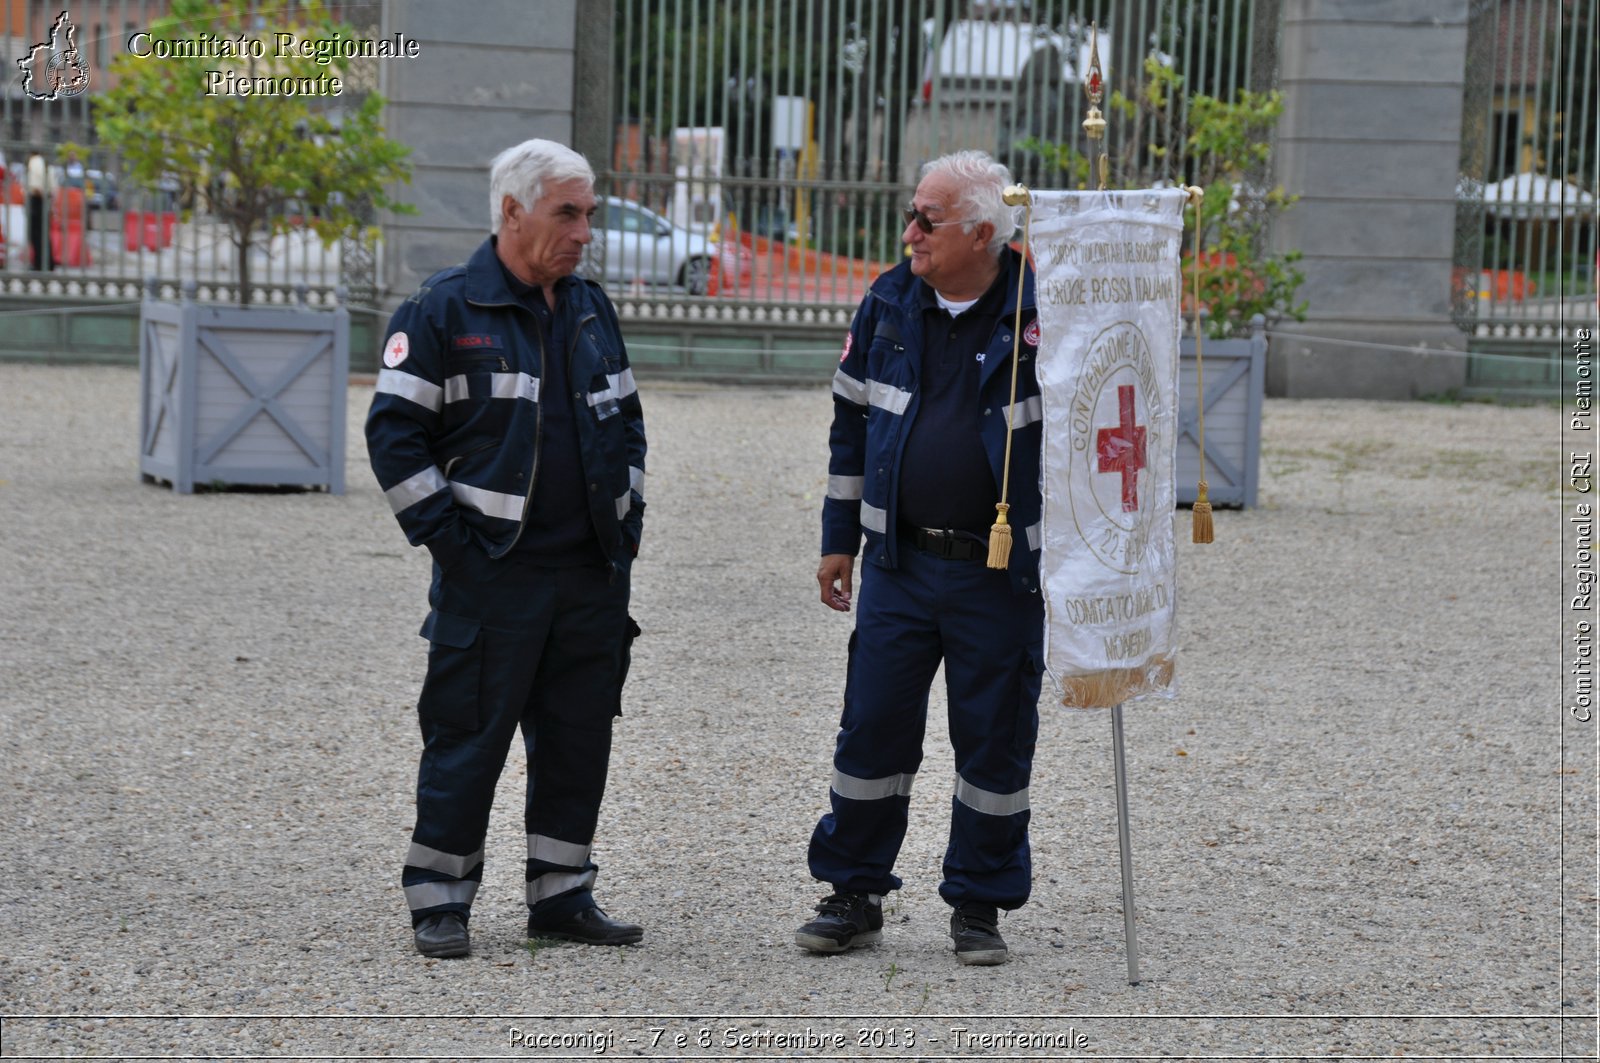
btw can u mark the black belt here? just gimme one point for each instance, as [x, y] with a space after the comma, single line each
[947, 543]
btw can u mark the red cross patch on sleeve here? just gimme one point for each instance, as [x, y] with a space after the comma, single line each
[846, 352]
[1030, 335]
[395, 349]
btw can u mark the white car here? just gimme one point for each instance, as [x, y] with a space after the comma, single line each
[639, 245]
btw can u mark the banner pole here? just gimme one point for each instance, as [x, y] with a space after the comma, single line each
[1125, 839]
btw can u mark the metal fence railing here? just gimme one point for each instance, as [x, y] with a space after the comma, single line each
[777, 141]
[1526, 212]
[91, 235]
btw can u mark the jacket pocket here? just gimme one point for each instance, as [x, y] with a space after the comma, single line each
[455, 670]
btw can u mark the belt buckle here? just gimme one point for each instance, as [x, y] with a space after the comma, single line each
[940, 542]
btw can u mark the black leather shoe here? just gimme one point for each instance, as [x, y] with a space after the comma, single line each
[443, 935]
[587, 926]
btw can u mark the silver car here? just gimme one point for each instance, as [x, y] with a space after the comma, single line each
[638, 245]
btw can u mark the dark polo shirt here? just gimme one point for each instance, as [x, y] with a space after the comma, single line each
[945, 478]
[559, 531]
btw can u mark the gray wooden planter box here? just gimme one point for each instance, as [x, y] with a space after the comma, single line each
[242, 395]
[1235, 376]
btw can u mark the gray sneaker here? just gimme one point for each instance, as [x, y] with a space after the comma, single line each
[845, 920]
[975, 935]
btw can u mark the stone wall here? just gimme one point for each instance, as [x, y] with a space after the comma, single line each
[489, 76]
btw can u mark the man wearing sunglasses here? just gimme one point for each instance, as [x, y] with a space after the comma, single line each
[917, 451]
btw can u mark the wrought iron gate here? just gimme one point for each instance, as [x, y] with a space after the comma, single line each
[764, 148]
[1525, 247]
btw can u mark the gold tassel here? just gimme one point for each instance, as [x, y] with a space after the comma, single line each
[1202, 516]
[1000, 538]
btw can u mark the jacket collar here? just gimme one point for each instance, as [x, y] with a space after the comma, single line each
[487, 284]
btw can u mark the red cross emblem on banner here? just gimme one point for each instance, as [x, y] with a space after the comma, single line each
[1121, 448]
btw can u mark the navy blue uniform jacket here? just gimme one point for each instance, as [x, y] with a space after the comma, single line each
[454, 431]
[876, 397]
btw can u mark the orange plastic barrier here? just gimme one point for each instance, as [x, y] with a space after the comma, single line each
[151, 229]
[1498, 285]
[67, 215]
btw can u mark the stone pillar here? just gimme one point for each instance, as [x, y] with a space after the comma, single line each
[1370, 140]
[593, 129]
[488, 76]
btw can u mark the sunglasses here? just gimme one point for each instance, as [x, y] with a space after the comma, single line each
[925, 223]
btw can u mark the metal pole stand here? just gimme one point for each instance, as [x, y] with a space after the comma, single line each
[1126, 842]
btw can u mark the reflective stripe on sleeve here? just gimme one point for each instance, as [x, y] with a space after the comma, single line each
[489, 503]
[409, 492]
[874, 519]
[636, 479]
[550, 850]
[849, 388]
[619, 386]
[553, 882]
[848, 786]
[989, 803]
[411, 388]
[888, 397]
[436, 860]
[624, 503]
[1032, 532]
[426, 895]
[846, 488]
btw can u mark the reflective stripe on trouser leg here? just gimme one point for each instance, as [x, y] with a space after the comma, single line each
[455, 788]
[469, 713]
[993, 653]
[567, 778]
[436, 881]
[566, 727]
[894, 653]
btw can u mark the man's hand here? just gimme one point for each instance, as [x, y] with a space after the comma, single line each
[833, 576]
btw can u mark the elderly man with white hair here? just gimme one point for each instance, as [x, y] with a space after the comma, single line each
[507, 436]
[922, 401]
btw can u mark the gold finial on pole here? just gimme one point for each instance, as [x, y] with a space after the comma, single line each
[1094, 126]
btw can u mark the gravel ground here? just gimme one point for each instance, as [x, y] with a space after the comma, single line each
[1348, 828]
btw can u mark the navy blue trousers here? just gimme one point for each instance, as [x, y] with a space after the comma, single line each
[990, 640]
[515, 645]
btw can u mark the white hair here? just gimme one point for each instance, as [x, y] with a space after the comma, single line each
[983, 183]
[521, 172]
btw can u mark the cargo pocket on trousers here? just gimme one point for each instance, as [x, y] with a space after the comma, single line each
[455, 670]
[630, 631]
[849, 679]
[1031, 681]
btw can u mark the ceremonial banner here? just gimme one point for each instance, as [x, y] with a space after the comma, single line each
[1109, 287]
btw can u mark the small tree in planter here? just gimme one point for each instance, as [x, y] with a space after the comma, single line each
[250, 156]
[236, 395]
